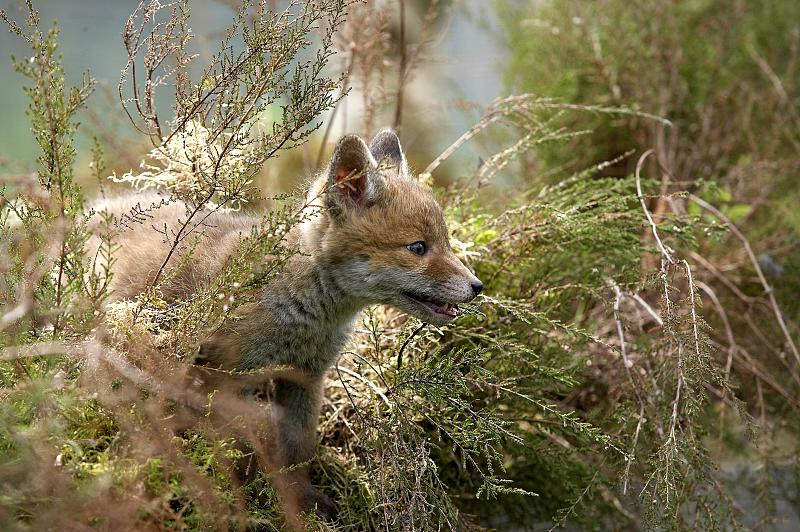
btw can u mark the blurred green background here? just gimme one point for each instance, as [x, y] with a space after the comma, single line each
[462, 68]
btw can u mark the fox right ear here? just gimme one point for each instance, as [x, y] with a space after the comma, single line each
[352, 179]
[386, 147]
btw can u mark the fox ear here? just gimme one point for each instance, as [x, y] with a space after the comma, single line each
[352, 179]
[386, 147]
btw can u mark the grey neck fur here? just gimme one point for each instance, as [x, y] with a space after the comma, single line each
[311, 307]
[312, 313]
[316, 297]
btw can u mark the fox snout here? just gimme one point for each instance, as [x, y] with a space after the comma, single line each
[472, 286]
[477, 286]
[436, 301]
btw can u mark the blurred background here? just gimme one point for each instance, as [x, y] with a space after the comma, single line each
[458, 72]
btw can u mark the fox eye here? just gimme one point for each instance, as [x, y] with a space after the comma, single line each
[417, 248]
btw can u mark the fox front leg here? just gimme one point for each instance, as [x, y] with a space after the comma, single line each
[297, 440]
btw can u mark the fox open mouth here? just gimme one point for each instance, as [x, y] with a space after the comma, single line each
[439, 309]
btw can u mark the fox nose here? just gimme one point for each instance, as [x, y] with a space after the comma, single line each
[477, 286]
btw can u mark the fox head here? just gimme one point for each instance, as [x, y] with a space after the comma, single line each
[386, 234]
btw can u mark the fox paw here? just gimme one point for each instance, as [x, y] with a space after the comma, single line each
[319, 503]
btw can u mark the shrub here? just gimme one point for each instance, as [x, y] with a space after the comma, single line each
[580, 388]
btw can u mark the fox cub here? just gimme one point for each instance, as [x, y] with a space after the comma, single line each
[377, 237]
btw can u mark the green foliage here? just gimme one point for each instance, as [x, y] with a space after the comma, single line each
[731, 100]
[643, 56]
[51, 109]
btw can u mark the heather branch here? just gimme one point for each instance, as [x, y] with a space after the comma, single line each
[639, 194]
[763, 280]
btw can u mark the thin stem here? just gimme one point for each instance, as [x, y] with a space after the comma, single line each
[639, 194]
[398, 110]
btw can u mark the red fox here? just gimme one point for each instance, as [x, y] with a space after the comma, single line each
[378, 237]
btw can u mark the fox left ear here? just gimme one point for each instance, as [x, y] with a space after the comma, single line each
[352, 179]
[386, 147]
